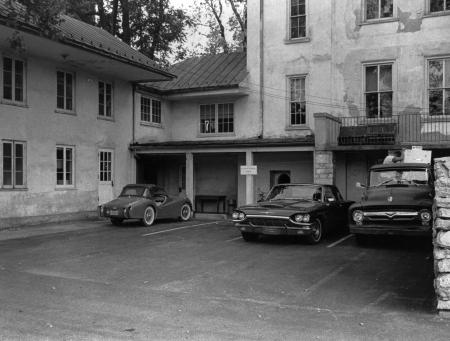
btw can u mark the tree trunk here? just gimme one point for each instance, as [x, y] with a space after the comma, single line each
[115, 10]
[242, 23]
[156, 39]
[126, 30]
[218, 14]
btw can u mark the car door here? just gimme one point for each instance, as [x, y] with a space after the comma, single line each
[334, 208]
[166, 205]
[343, 206]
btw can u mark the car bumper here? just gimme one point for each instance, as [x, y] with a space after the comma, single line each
[411, 230]
[110, 213]
[303, 230]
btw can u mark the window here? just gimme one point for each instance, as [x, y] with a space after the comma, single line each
[105, 165]
[13, 164]
[150, 110]
[104, 99]
[64, 90]
[297, 101]
[64, 166]
[13, 80]
[378, 90]
[439, 5]
[298, 19]
[439, 86]
[379, 9]
[217, 118]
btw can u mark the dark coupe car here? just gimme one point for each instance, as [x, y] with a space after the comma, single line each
[294, 209]
[147, 203]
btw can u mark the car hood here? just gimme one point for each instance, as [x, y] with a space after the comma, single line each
[281, 207]
[122, 202]
[396, 196]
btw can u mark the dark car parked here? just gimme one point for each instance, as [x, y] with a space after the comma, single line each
[397, 200]
[147, 203]
[294, 209]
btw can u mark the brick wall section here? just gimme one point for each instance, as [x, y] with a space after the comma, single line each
[324, 167]
[441, 234]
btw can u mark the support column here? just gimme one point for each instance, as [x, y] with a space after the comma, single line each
[249, 180]
[190, 177]
[324, 167]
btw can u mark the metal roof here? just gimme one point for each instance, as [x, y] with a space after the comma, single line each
[82, 35]
[224, 70]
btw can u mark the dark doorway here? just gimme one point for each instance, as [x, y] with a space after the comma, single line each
[279, 177]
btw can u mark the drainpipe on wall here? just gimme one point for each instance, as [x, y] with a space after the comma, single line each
[133, 136]
[261, 66]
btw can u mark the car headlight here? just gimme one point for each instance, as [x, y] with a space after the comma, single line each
[236, 215]
[425, 216]
[298, 218]
[301, 218]
[358, 216]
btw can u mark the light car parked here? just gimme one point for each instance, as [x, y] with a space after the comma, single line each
[147, 203]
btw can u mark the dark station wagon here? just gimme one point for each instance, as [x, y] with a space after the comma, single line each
[308, 210]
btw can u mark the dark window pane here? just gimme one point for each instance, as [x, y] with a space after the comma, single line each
[372, 9]
[386, 8]
[7, 78]
[447, 5]
[60, 90]
[7, 149]
[69, 89]
[7, 178]
[437, 5]
[19, 150]
[19, 81]
[435, 74]
[386, 104]
[18, 178]
[108, 103]
[447, 102]
[101, 98]
[372, 105]
[435, 102]
[371, 78]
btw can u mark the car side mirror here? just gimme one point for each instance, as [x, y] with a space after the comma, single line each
[360, 185]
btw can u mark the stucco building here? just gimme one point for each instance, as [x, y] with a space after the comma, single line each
[66, 118]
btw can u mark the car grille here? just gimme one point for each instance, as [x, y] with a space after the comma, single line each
[269, 222]
[392, 217]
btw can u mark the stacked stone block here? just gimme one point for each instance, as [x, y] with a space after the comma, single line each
[441, 234]
[324, 167]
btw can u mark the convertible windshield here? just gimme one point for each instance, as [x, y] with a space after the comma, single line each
[133, 191]
[302, 192]
[398, 176]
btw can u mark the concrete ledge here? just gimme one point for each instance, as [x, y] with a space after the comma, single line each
[6, 223]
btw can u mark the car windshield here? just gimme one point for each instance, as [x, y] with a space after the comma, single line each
[300, 192]
[133, 191]
[388, 177]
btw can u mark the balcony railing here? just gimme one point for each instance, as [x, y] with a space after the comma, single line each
[402, 129]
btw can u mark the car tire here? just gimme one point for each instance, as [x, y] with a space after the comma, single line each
[316, 236]
[116, 221]
[185, 212]
[249, 237]
[149, 216]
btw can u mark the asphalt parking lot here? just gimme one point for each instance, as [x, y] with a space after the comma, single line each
[200, 281]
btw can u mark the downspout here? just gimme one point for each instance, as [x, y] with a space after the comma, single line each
[261, 66]
[133, 132]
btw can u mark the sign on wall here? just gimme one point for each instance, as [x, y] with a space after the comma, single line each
[249, 170]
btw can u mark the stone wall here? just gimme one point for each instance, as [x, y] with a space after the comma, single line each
[441, 234]
[324, 167]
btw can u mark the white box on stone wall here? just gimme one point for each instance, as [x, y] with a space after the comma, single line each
[417, 156]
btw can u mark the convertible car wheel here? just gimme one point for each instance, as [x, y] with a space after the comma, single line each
[116, 221]
[185, 212]
[249, 237]
[149, 216]
[316, 236]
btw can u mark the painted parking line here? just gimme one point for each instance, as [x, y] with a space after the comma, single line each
[340, 240]
[179, 228]
[231, 240]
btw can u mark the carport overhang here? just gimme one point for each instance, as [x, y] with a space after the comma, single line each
[75, 55]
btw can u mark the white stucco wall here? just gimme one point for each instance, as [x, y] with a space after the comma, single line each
[42, 129]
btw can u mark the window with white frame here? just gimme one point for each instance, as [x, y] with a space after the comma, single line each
[378, 90]
[105, 165]
[379, 9]
[297, 101]
[150, 110]
[439, 5]
[65, 166]
[13, 80]
[217, 118]
[297, 20]
[14, 161]
[439, 86]
[105, 94]
[64, 90]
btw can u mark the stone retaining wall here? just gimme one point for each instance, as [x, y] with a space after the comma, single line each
[441, 234]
